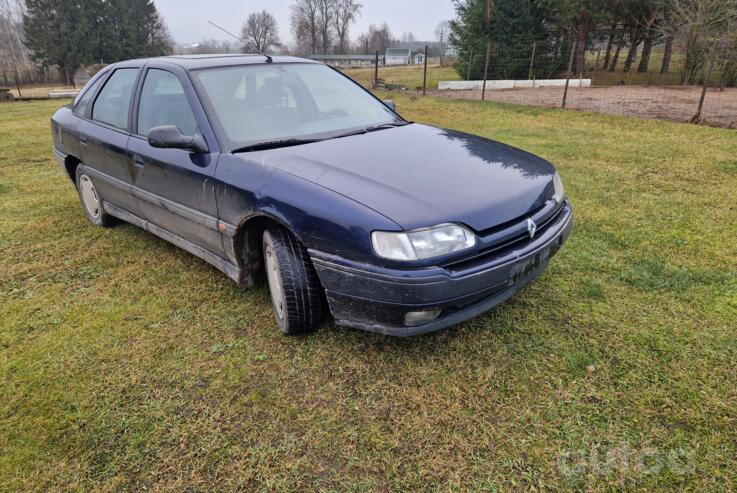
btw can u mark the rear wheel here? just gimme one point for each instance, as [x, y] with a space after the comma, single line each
[296, 294]
[91, 201]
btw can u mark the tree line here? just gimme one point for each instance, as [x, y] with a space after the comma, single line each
[623, 33]
[318, 26]
[66, 34]
[321, 25]
[48, 36]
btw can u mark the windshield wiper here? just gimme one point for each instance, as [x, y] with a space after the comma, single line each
[386, 125]
[274, 144]
[373, 128]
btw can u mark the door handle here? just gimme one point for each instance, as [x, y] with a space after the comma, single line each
[138, 161]
[83, 141]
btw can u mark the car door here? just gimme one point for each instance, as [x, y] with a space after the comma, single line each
[175, 187]
[103, 132]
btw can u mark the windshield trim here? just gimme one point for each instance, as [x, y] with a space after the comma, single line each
[229, 146]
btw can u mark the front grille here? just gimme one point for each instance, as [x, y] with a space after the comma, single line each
[510, 224]
[500, 249]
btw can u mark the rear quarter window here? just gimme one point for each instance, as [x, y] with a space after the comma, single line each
[82, 104]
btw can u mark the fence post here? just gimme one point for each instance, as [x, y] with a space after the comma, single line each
[470, 62]
[568, 74]
[486, 71]
[698, 117]
[376, 69]
[532, 60]
[424, 76]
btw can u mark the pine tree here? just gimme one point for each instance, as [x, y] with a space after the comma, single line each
[55, 31]
[70, 33]
[514, 27]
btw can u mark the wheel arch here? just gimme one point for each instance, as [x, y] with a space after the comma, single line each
[70, 165]
[247, 244]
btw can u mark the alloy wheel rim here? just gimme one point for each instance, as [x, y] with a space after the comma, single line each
[89, 196]
[272, 272]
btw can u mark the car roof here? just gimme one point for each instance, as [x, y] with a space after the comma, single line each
[193, 62]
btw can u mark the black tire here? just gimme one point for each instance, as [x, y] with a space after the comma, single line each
[298, 306]
[95, 213]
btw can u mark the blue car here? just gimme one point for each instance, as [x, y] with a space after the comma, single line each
[284, 169]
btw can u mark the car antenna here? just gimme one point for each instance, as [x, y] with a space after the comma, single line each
[268, 57]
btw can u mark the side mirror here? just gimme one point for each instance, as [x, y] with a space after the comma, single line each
[390, 104]
[170, 137]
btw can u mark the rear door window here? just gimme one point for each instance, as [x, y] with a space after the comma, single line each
[113, 103]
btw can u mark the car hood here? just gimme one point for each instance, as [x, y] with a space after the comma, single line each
[419, 176]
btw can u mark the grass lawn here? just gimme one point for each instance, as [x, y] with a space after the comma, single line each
[126, 363]
[38, 90]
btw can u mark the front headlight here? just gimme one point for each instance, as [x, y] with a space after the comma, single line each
[423, 243]
[560, 192]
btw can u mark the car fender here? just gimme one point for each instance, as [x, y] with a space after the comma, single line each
[320, 218]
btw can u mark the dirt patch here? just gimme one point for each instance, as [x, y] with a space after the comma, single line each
[675, 103]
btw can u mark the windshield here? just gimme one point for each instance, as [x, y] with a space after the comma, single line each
[265, 103]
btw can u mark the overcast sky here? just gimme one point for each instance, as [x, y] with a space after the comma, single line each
[187, 19]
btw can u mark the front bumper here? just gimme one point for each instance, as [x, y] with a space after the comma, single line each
[376, 299]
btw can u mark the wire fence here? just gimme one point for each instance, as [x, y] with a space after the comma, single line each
[548, 82]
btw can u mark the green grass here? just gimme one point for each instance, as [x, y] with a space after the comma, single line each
[126, 363]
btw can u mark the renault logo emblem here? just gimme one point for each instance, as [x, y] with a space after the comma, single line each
[531, 227]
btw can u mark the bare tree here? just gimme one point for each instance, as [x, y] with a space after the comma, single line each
[15, 60]
[304, 20]
[376, 39]
[260, 32]
[344, 14]
[325, 9]
[160, 39]
[363, 43]
[707, 29]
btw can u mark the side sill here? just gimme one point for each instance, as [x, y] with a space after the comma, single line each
[223, 265]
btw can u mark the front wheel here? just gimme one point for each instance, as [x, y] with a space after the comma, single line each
[295, 290]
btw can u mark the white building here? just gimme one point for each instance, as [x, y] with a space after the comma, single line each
[348, 61]
[398, 56]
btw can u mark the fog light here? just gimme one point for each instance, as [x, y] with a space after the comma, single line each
[422, 317]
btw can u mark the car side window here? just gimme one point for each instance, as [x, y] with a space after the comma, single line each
[80, 108]
[112, 105]
[163, 102]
